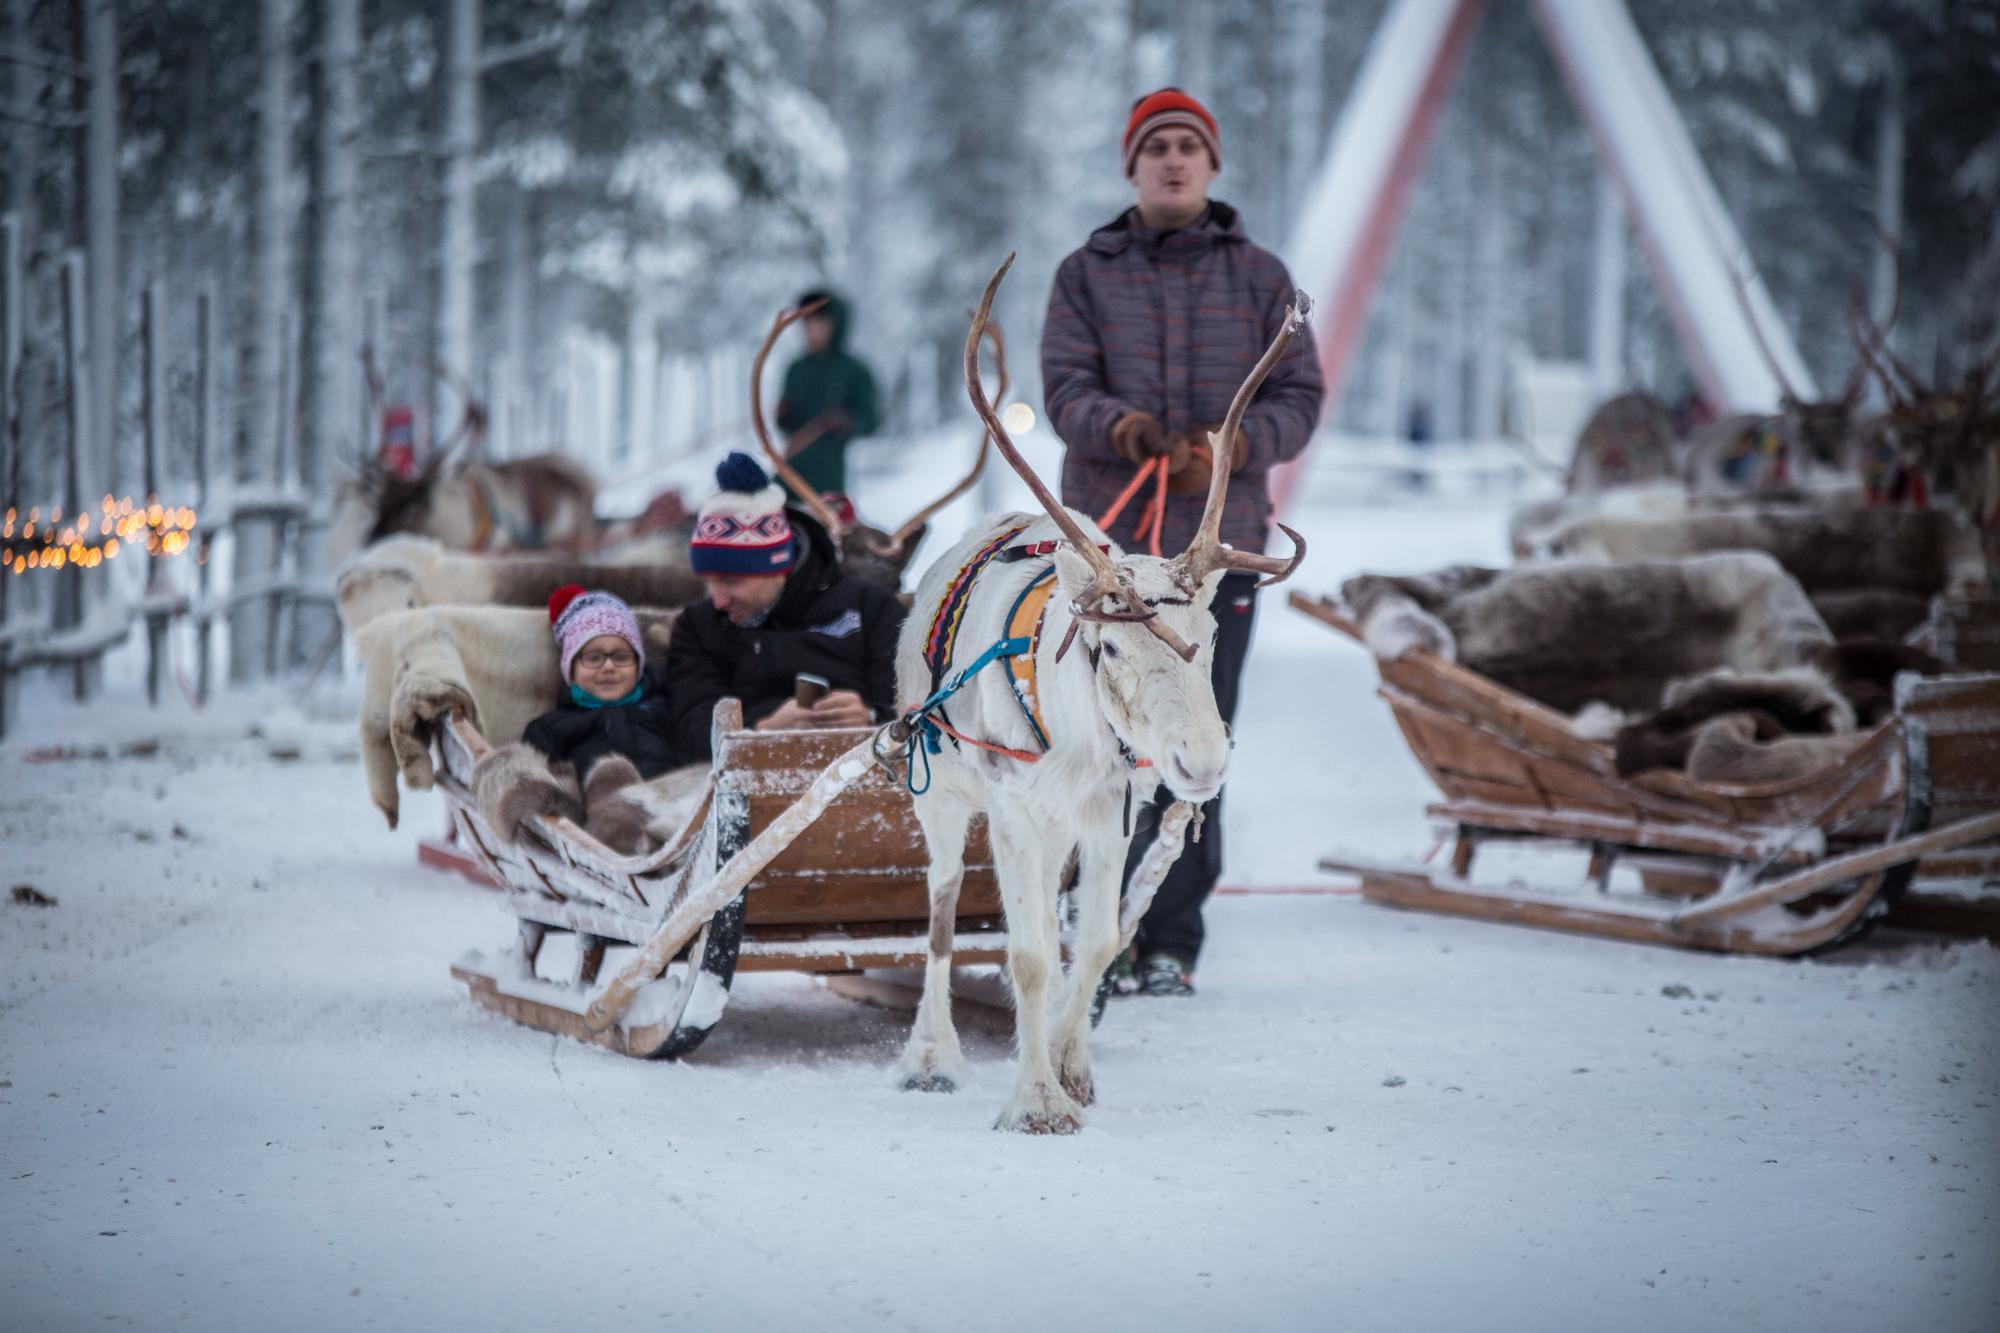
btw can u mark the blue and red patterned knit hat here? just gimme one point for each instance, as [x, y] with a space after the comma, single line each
[742, 529]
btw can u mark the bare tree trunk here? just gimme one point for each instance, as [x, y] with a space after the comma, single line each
[515, 388]
[330, 347]
[100, 462]
[1888, 205]
[458, 245]
[263, 350]
[330, 385]
[1305, 127]
[1607, 293]
[24, 88]
[1489, 256]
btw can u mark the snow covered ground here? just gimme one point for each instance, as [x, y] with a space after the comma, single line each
[238, 1088]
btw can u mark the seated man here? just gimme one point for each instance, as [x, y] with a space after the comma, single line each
[778, 607]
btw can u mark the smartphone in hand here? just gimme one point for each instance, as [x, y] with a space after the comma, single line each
[808, 689]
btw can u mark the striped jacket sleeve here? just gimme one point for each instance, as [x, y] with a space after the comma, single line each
[1073, 391]
[1280, 420]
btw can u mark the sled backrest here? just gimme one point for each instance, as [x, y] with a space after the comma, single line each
[862, 863]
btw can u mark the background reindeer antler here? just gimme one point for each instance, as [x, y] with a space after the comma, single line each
[807, 495]
[892, 545]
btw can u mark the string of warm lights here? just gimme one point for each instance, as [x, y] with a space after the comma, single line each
[91, 537]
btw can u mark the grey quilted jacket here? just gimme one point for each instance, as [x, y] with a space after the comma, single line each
[1171, 324]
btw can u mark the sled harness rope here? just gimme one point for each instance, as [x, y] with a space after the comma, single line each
[923, 728]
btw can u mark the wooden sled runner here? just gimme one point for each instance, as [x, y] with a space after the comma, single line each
[1780, 868]
[803, 855]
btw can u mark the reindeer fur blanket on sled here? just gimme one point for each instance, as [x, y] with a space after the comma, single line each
[403, 573]
[1684, 644]
[498, 666]
[1868, 571]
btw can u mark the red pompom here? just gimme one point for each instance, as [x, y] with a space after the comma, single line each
[560, 599]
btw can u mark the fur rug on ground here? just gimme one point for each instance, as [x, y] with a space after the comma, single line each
[497, 665]
[403, 573]
[613, 804]
[1572, 634]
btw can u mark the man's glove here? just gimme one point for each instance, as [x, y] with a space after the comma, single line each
[1192, 478]
[1139, 439]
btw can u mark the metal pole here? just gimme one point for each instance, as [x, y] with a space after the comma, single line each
[69, 582]
[204, 429]
[151, 311]
[281, 452]
[10, 455]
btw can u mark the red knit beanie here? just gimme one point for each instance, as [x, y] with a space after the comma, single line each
[1170, 107]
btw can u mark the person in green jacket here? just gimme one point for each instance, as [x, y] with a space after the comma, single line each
[829, 399]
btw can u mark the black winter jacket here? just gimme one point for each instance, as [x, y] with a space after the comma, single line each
[823, 622]
[642, 732]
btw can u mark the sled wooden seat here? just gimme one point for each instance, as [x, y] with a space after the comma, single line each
[845, 891]
[1734, 868]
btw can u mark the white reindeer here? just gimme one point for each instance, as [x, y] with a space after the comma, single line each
[1133, 707]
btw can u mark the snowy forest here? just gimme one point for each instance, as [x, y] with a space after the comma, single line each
[586, 212]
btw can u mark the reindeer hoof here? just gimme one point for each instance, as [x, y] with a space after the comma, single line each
[1084, 1090]
[931, 1082]
[1051, 1112]
[1041, 1122]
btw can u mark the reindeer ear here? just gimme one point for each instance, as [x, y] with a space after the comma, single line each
[1209, 586]
[1073, 573]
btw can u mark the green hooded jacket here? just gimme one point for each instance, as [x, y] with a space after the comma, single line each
[834, 384]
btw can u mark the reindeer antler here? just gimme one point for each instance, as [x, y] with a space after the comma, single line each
[893, 544]
[806, 494]
[1749, 311]
[1206, 553]
[472, 418]
[1110, 581]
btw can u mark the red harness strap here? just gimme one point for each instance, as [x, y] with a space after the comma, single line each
[1154, 519]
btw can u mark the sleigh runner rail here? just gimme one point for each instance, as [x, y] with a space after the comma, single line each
[802, 855]
[1777, 868]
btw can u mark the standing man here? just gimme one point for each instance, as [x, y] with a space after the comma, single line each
[829, 399]
[1152, 327]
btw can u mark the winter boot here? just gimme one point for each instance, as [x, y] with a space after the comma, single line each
[1164, 974]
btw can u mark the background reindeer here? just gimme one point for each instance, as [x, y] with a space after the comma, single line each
[541, 502]
[1114, 698]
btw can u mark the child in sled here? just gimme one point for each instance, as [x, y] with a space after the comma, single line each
[591, 759]
[609, 705]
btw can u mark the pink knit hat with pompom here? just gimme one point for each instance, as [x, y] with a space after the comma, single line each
[578, 617]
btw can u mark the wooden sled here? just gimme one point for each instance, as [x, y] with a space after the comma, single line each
[803, 855]
[1779, 868]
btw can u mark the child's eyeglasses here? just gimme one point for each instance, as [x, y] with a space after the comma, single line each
[595, 661]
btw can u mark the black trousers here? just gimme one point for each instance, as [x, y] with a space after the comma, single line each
[1172, 925]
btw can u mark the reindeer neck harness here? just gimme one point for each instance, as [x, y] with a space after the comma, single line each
[924, 728]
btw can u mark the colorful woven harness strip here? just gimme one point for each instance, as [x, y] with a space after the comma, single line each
[1025, 622]
[951, 611]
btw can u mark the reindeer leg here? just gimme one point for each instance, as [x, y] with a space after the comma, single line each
[931, 1060]
[1026, 866]
[1101, 860]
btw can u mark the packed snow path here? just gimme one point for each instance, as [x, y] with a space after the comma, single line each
[238, 1089]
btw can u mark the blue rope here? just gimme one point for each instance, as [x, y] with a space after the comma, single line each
[925, 738]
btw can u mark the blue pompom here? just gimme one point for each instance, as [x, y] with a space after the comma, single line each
[739, 472]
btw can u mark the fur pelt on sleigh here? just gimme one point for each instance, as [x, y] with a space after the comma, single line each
[1869, 572]
[403, 573]
[1719, 664]
[498, 666]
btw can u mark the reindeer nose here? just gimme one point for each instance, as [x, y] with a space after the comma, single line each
[1196, 777]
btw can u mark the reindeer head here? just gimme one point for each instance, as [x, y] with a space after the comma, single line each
[1144, 621]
